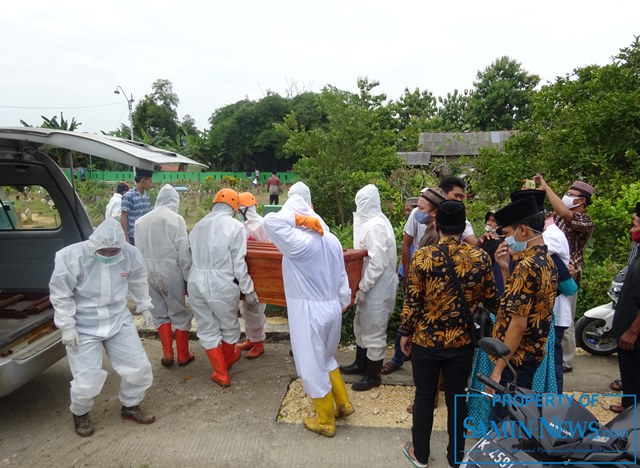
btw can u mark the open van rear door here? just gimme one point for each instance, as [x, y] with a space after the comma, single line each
[131, 153]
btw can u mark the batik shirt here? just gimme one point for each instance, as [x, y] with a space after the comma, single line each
[433, 313]
[578, 232]
[529, 292]
[137, 205]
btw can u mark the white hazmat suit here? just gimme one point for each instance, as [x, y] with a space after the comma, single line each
[90, 297]
[161, 236]
[373, 232]
[316, 290]
[218, 250]
[253, 314]
[300, 188]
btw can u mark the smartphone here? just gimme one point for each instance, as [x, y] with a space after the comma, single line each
[530, 184]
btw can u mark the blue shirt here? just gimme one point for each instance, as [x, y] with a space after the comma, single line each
[137, 205]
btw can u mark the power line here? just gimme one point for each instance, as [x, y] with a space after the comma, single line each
[63, 107]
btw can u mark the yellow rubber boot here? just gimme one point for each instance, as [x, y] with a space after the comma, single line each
[324, 423]
[339, 391]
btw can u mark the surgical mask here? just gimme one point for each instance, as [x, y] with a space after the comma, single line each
[516, 246]
[488, 228]
[109, 260]
[519, 246]
[570, 202]
[421, 217]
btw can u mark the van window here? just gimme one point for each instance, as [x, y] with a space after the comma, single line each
[27, 207]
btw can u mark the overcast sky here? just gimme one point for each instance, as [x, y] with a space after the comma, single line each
[70, 55]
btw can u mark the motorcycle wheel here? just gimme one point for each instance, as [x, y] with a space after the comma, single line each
[591, 338]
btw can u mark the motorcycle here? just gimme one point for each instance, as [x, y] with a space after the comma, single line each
[593, 329]
[561, 431]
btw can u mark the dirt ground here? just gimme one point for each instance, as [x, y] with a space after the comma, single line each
[386, 405]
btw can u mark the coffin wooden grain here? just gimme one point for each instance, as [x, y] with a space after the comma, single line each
[264, 262]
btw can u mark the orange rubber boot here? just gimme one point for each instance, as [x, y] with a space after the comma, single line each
[257, 350]
[166, 338]
[246, 346]
[231, 353]
[182, 346]
[216, 357]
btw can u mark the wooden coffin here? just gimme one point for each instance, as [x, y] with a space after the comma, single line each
[264, 262]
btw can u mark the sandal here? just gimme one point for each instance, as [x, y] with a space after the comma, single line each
[389, 367]
[616, 385]
[617, 409]
[406, 450]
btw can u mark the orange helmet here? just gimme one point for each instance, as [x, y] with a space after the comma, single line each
[228, 196]
[247, 199]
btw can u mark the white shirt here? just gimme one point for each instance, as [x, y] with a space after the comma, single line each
[416, 230]
[557, 244]
[114, 207]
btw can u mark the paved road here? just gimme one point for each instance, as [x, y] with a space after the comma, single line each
[200, 424]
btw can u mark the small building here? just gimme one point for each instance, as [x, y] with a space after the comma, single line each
[452, 145]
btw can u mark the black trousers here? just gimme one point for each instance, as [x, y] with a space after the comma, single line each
[273, 199]
[456, 367]
[629, 361]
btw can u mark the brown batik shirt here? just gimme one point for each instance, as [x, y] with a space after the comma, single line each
[433, 313]
[578, 232]
[529, 292]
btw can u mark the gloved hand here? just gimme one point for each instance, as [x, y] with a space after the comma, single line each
[251, 298]
[70, 337]
[309, 222]
[360, 298]
[148, 318]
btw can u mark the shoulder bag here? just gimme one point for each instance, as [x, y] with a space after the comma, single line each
[480, 324]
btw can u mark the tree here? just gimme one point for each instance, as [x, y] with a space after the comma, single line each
[413, 113]
[243, 136]
[353, 149]
[501, 96]
[188, 125]
[157, 112]
[453, 112]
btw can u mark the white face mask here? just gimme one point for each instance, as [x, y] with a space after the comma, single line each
[570, 202]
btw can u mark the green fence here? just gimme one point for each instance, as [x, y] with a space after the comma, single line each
[168, 177]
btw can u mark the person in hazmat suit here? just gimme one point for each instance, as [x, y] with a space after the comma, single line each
[253, 314]
[316, 290]
[376, 295]
[161, 236]
[88, 290]
[300, 188]
[218, 275]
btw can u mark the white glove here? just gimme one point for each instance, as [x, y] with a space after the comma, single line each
[70, 337]
[148, 318]
[361, 297]
[251, 298]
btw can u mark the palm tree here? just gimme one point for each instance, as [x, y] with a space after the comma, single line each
[72, 125]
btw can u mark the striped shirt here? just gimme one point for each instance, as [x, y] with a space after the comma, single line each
[137, 205]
